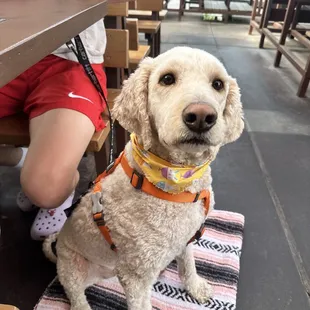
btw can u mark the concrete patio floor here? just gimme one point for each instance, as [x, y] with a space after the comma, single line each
[265, 176]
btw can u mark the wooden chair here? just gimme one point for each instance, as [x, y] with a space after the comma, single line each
[295, 13]
[194, 6]
[148, 10]
[273, 11]
[137, 51]
[273, 16]
[284, 16]
[151, 28]
[256, 15]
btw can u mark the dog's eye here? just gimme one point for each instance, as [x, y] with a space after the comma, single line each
[218, 85]
[167, 79]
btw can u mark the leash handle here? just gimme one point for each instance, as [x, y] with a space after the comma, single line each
[83, 59]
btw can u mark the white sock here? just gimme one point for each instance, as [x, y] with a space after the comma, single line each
[22, 160]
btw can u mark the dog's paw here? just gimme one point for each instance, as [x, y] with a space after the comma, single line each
[200, 289]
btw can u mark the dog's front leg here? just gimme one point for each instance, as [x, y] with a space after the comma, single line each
[73, 272]
[197, 286]
[137, 290]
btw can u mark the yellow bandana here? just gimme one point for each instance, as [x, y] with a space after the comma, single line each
[169, 178]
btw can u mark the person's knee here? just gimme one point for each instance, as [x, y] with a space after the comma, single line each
[47, 188]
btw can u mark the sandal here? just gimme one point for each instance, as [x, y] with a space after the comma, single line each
[50, 221]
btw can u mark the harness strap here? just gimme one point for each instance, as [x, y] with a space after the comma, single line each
[139, 182]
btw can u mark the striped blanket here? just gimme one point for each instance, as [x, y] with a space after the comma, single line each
[217, 256]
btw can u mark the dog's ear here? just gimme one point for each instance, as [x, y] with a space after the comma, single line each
[131, 106]
[233, 113]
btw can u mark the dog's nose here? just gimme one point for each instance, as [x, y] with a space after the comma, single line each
[199, 117]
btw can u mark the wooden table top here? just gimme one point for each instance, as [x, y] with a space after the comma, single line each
[32, 29]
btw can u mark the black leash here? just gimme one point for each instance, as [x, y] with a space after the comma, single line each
[80, 53]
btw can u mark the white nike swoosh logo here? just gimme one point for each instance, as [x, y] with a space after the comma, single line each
[72, 95]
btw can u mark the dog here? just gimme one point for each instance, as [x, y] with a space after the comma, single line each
[182, 106]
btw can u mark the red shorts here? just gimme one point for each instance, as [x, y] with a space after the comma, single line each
[55, 83]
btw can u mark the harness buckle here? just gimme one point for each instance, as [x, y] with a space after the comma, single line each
[200, 232]
[136, 180]
[197, 197]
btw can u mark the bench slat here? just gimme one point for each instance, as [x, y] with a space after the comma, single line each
[136, 56]
[146, 14]
[154, 5]
[132, 27]
[118, 9]
[149, 26]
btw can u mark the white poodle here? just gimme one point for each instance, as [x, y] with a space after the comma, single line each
[182, 106]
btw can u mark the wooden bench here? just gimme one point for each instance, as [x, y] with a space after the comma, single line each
[150, 27]
[257, 11]
[284, 16]
[296, 12]
[227, 8]
[147, 15]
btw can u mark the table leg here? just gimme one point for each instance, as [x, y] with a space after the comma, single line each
[264, 22]
[253, 15]
[303, 85]
[287, 22]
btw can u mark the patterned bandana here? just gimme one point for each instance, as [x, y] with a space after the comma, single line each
[169, 178]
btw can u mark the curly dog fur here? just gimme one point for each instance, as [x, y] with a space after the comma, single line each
[148, 232]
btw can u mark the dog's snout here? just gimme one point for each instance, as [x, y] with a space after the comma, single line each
[199, 117]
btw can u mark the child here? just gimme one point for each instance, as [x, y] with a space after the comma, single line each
[64, 110]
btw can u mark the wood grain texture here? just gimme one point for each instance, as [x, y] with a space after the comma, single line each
[132, 27]
[118, 9]
[136, 56]
[149, 26]
[31, 34]
[116, 54]
[147, 5]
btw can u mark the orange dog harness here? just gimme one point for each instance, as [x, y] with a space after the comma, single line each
[139, 182]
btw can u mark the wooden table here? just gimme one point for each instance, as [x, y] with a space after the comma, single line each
[33, 29]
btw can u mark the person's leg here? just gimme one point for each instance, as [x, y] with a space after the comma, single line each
[64, 110]
[59, 139]
[49, 175]
[12, 97]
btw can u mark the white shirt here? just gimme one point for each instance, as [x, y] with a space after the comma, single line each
[94, 40]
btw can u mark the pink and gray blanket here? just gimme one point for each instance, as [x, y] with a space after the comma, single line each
[217, 256]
